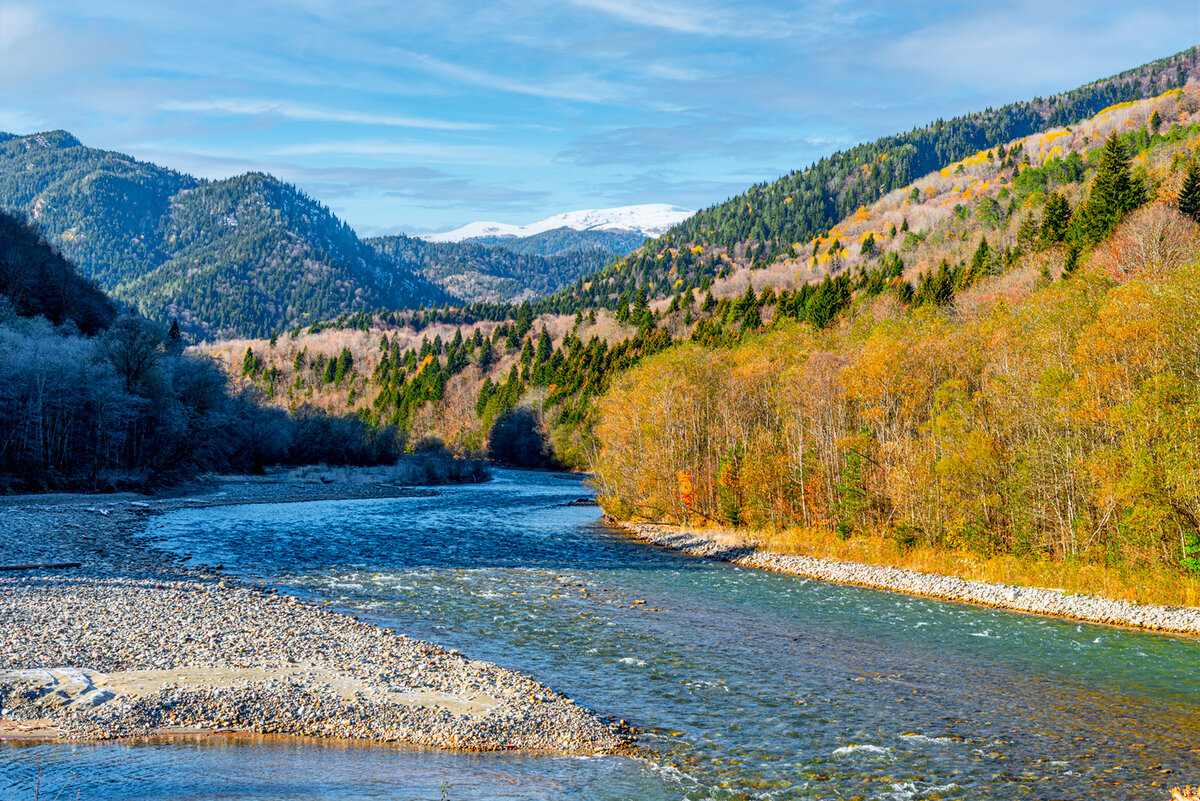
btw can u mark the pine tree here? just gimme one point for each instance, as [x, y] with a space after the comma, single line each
[344, 363]
[1056, 219]
[1189, 196]
[980, 263]
[1114, 193]
[1155, 121]
[174, 342]
[544, 347]
[1027, 233]
[486, 354]
[1072, 263]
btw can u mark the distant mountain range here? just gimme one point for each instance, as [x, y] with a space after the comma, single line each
[250, 255]
[646, 220]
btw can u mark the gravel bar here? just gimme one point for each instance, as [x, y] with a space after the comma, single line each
[1089, 608]
[134, 644]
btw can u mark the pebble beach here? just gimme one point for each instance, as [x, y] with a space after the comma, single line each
[131, 643]
[1089, 608]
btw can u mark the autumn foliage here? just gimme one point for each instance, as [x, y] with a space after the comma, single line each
[1066, 425]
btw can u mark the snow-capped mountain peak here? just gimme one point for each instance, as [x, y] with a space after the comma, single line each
[651, 219]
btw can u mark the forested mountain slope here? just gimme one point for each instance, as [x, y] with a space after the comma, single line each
[36, 280]
[248, 255]
[994, 227]
[775, 219]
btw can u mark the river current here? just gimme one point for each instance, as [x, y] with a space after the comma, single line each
[744, 684]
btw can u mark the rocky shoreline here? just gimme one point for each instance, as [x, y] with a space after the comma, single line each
[1087, 608]
[131, 643]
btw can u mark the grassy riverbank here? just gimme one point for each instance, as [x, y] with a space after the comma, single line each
[1143, 584]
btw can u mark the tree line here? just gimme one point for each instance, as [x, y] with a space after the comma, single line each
[93, 399]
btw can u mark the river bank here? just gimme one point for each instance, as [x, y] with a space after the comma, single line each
[728, 547]
[132, 643]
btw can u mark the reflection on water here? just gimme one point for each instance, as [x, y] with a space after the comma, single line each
[747, 684]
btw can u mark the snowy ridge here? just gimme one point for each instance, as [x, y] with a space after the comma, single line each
[651, 219]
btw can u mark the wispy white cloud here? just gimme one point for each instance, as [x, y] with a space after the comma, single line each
[655, 15]
[293, 111]
[14, 120]
[17, 22]
[702, 20]
[580, 87]
[581, 101]
[426, 151]
[963, 49]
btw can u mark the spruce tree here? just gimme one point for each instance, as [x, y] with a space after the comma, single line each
[1189, 196]
[486, 354]
[174, 344]
[1114, 193]
[1072, 262]
[344, 363]
[544, 347]
[980, 263]
[1055, 219]
[1027, 233]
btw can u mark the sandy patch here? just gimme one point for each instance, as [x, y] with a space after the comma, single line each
[80, 687]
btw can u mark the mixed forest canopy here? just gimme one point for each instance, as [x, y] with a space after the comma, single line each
[1111, 194]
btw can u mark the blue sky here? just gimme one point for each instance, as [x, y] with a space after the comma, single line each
[418, 117]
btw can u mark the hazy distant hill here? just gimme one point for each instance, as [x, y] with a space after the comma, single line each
[566, 240]
[491, 273]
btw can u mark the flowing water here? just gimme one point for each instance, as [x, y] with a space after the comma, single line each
[746, 684]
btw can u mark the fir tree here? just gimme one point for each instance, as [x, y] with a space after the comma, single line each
[1027, 233]
[1072, 262]
[1114, 193]
[980, 263]
[544, 347]
[1189, 196]
[486, 354]
[344, 362]
[1056, 218]
[174, 343]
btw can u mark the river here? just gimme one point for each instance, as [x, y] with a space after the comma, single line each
[745, 684]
